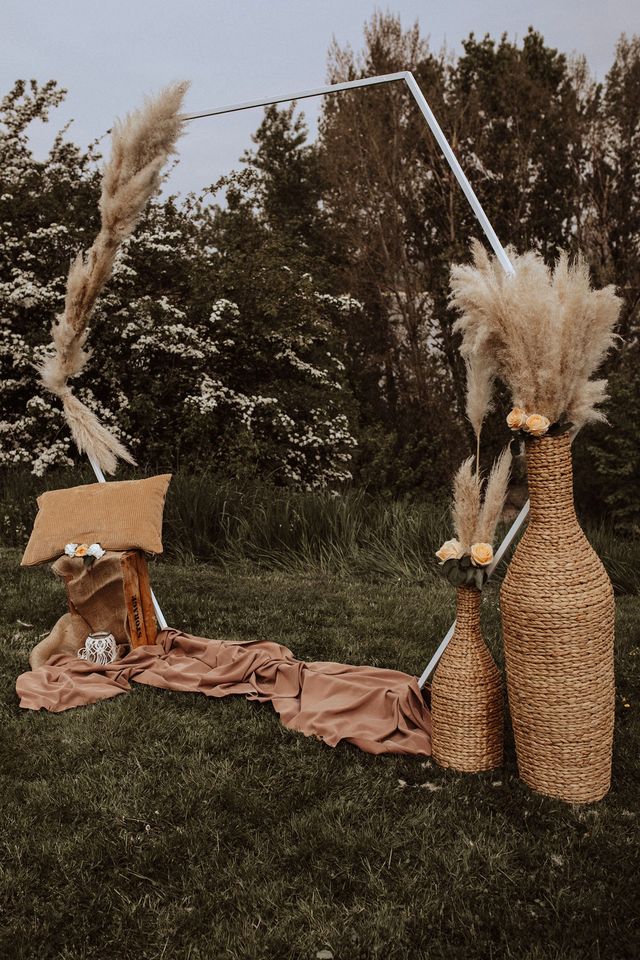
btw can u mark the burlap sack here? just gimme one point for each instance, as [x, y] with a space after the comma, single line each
[112, 594]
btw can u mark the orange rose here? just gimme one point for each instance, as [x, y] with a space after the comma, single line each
[516, 419]
[481, 554]
[82, 550]
[537, 425]
[450, 550]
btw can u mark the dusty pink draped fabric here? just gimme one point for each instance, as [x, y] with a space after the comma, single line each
[380, 711]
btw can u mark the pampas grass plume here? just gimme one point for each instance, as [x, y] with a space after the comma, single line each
[141, 145]
[466, 503]
[475, 517]
[494, 496]
[542, 332]
[479, 390]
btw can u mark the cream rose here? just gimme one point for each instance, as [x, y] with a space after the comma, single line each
[537, 425]
[481, 554]
[517, 418]
[450, 550]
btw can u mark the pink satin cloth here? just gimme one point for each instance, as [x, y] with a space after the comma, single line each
[378, 710]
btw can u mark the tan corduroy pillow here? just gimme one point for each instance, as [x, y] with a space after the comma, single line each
[124, 515]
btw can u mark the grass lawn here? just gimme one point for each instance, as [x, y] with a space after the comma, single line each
[163, 825]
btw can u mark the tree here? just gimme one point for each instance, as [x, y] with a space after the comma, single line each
[46, 210]
[377, 159]
[610, 232]
[211, 345]
[287, 182]
[293, 321]
[615, 456]
[517, 118]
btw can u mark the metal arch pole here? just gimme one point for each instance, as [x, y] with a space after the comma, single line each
[100, 477]
[476, 206]
[428, 115]
[459, 173]
[301, 95]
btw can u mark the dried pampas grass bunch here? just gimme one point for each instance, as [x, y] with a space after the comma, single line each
[464, 560]
[542, 332]
[141, 145]
[475, 517]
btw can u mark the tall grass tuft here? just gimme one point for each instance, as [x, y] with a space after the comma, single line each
[351, 534]
[220, 520]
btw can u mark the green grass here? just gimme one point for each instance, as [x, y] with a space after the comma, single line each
[353, 534]
[165, 826]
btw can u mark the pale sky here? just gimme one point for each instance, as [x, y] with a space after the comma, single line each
[108, 54]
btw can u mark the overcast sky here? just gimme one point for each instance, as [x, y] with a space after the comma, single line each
[109, 53]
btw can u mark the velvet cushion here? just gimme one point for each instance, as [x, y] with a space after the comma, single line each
[122, 515]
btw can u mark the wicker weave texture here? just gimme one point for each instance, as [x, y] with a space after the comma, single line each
[558, 622]
[466, 696]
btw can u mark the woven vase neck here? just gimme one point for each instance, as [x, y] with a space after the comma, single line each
[467, 609]
[550, 478]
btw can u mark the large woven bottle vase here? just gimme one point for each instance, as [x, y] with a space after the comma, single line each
[466, 696]
[558, 623]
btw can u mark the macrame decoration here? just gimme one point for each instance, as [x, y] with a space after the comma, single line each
[99, 648]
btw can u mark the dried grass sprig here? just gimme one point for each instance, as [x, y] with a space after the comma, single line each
[141, 145]
[475, 516]
[494, 497]
[466, 503]
[542, 332]
[480, 377]
[467, 559]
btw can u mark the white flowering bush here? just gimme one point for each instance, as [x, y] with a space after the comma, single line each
[213, 345]
[35, 247]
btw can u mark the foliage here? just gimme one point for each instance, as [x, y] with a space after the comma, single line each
[616, 457]
[338, 251]
[230, 521]
[212, 342]
[552, 157]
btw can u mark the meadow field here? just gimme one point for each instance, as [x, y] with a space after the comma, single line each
[162, 825]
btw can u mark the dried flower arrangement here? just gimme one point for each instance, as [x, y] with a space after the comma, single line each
[466, 692]
[141, 146]
[465, 560]
[543, 332]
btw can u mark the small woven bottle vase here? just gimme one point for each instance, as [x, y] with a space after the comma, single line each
[466, 696]
[558, 620]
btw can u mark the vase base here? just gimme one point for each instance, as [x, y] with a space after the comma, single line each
[462, 765]
[569, 794]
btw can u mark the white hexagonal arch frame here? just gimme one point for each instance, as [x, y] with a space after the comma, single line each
[476, 206]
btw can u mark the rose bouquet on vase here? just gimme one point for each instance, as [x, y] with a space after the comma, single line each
[466, 693]
[544, 332]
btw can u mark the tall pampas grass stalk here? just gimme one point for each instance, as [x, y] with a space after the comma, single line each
[141, 145]
[465, 560]
[476, 512]
[543, 332]
[465, 508]
[480, 378]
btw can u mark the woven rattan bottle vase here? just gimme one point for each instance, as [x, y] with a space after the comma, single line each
[558, 620]
[466, 696]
